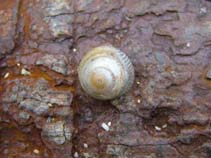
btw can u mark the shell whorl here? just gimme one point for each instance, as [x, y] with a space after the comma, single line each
[106, 73]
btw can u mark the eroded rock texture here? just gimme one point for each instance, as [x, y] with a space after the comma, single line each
[44, 113]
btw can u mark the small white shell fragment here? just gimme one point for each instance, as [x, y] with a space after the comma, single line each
[18, 64]
[25, 72]
[188, 44]
[164, 126]
[105, 126]
[74, 49]
[138, 101]
[138, 83]
[128, 18]
[157, 128]
[6, 75]
[85, 145]
[109, 124]
[50, 105]
[36, 151]
[203, 10]
[76, 155]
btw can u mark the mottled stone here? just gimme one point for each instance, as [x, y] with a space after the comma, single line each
[63, 111]
[39, 98]
[58, 7]
[90, 155]
[208, 74]
[53, 20]
[196, 117]
[24, 115]
[35, 106]
[61, 26]
[59, 98]
[91, 6]
[136, 7]
[121, 151]
[8, 23]
[57, 63]
[57, 132]
[165, 114]
[116, 150]
[59, 18]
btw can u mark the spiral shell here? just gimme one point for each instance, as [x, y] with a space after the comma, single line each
[106, 73]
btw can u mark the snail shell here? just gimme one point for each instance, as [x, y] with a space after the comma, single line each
[106, 73]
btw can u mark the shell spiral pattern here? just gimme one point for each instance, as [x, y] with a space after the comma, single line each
[106, 73]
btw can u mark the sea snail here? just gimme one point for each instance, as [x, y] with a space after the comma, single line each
[106, 73]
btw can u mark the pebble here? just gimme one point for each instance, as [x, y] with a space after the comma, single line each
[109, 124]
[105, 126]
[50, 105]
[76, 155]
[25, 72]
[74, 49]
[36, 151]
[6, 75]
[164, 126]
[85, 145]
[157, 128]
[138, 101]
[188, 44]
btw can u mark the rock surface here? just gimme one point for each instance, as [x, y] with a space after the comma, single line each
[8, 23]
[45, 113]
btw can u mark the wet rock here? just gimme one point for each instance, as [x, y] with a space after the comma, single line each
[93, 13]
[57, 7]
[60, 25]
[63, 111]
[35, 106]
[186, 139]
[57, 63]
[57, 132]
[53, 20]
[136, 7]
[208, 74]
[124, 129]
[24, 115]
[59, 98]
[22, 118]
[88, 115]
[196, 118]
[116, 150]
[39, 98]
[121, 151]
[187, 34]
[207, 148]
[125, 104]
[9, 14]
[59, 18]
[165, 114]
[91, 6]
[9, 143]
[89, 155]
